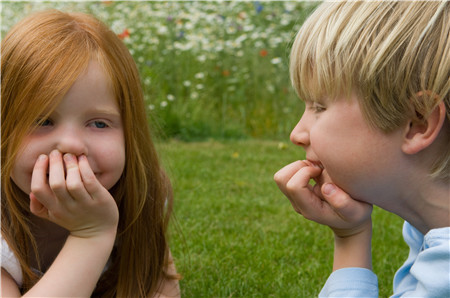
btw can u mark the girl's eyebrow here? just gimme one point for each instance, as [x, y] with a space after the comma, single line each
[106, 111]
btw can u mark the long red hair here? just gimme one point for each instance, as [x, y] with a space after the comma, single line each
[42, 56]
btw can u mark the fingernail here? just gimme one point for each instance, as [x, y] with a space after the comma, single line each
[328, 189]
[42, 157]
[54, 152]
[68, 157]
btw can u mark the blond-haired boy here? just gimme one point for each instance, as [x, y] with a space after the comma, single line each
[376, 131]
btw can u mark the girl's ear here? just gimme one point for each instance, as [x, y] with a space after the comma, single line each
[419, 134]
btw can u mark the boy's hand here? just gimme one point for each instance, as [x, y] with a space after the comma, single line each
[71, 196]
[324, 203]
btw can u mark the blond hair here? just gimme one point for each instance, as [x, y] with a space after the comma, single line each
[394, 54]
[42, 56]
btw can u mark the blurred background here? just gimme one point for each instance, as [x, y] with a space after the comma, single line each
[209, 69]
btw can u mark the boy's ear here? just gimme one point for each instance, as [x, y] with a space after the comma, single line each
[419, 134]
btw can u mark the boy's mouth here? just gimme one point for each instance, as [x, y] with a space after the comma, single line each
[317, 164]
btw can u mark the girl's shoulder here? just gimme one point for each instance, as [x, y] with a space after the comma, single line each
[9, 262]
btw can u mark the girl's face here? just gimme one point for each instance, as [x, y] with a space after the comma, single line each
[360, 159]
[86, 122]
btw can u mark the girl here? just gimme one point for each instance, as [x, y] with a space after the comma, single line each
[85, 203]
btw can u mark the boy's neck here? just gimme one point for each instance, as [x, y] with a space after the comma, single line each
[426, 206]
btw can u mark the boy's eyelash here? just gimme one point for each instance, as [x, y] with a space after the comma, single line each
[317, 107]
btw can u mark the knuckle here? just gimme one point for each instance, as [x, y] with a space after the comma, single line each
[38, 189]
[90, 182]
[278, 177]
[291, 186]
[57, 185]
[73, 186]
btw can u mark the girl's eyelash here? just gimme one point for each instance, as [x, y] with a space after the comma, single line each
[44, 122]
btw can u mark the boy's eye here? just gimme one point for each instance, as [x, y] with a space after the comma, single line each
[317, 107]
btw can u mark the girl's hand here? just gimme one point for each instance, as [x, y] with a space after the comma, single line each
[324, 203]
[71, 196]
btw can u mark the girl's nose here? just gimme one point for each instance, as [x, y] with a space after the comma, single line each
[71, 141]
[300, 134]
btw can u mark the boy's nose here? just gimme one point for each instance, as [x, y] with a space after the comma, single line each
[71, 142]
[300, 134]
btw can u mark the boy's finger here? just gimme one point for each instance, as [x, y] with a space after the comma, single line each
[347, 207]
[298, 189]
[285, 174]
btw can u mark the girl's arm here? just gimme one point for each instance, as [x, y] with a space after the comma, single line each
[8, 285]
[326, 204]
[169, 287]
[73, 198]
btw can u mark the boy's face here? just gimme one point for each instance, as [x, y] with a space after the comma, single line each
[86, 122]
[358, 158]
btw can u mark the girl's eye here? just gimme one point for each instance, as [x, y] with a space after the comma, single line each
[44, 122]
[99, 124]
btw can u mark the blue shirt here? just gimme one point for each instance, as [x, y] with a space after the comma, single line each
[426, 272]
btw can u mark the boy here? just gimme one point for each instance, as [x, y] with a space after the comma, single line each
[375, 80]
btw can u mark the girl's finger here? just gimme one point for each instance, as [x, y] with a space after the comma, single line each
[90, 182]
[37, 208]
[39, 183]
[74, 184]
[56, 177]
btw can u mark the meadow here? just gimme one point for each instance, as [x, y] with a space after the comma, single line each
[216, 81]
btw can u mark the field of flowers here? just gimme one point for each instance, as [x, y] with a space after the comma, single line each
[209, 68]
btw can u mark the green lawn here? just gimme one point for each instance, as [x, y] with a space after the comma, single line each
[235, 234]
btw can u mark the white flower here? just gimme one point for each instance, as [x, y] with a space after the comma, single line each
[201, 58]
[199, 75]
[170, 97]
[194, 95]
[151, 107]
[199, 86]
[276, 60]
[187, 83]
[163, 104]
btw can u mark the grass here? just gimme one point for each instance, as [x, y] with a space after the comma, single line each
[237, 235]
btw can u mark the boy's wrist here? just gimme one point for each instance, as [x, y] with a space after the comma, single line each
[355, 249]
[365, 229]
